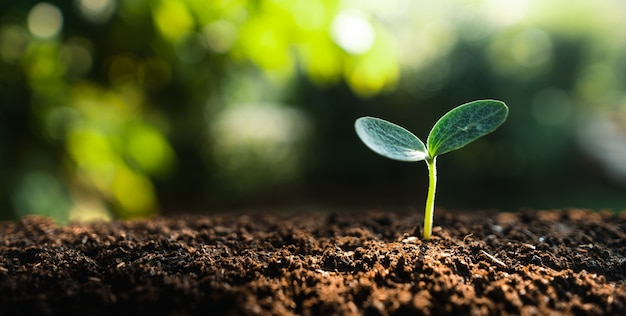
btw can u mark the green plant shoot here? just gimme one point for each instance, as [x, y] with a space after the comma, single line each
[457, 128]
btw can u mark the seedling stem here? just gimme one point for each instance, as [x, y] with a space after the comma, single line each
[430, 199]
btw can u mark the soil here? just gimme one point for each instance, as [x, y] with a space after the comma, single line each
[479, 263]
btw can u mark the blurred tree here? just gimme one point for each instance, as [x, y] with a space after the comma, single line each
[117, 108]
[114, 93]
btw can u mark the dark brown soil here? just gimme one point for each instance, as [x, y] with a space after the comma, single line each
[565, 262]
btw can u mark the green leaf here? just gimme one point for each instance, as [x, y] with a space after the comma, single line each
[390, 140]
[464, 124]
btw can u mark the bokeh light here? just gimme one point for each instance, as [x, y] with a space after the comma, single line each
[126, 108]
[352, 32]
[96, 11]
[45, 20]
[173, 19]
[13, 43]
[256, 145]
[76, 57]
[505, 13]
[220, 35]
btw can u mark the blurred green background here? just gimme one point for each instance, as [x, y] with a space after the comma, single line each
[119, 109]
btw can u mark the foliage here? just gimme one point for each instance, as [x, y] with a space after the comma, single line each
[115, 108]
[114, 95]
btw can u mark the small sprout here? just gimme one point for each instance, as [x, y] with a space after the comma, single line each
[457, 128]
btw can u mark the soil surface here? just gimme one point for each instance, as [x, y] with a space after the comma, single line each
[480, 263]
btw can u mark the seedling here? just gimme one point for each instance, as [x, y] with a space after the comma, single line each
[457, 128]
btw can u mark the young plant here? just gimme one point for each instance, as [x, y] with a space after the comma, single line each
[457, 128]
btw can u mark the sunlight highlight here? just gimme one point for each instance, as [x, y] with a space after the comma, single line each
[507, 12]
[352, 32]
[258, 145]
[96, 11]
[45, 20]
[220, 35]
[173, 19]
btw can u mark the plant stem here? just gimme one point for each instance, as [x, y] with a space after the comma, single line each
[430, 199]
